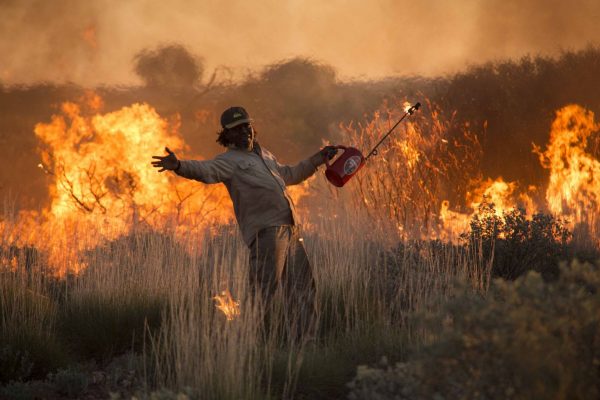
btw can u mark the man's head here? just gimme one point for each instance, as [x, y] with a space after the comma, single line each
[237, 129]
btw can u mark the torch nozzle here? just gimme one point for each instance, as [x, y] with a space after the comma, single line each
[414, 108]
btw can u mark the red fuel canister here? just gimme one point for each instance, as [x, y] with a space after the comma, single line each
[345, 166]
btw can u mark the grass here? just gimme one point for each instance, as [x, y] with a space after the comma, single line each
[152, 294]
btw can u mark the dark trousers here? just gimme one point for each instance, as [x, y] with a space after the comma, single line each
[279, 269]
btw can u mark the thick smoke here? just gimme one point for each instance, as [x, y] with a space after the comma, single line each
[168, 67]
[91, 43]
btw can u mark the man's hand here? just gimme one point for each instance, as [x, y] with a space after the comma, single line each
[328, 152]
[166, 163]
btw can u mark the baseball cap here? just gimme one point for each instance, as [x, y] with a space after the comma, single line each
[234, 116]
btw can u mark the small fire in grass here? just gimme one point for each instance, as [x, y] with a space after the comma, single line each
[227, 305]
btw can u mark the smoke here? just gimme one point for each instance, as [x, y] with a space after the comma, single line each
[169, 66]
[92, 43]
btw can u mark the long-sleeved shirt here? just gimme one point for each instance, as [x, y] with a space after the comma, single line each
[256, 183]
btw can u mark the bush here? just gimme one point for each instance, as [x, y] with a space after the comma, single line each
[27, 391]
[517, 243]
[529, 339]
[70, 382]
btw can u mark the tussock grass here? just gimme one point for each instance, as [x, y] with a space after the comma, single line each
[28, 342]
[153, 293]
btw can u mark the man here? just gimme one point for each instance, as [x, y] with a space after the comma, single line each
[256, 183]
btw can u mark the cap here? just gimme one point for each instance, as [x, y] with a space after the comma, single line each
[234, 116]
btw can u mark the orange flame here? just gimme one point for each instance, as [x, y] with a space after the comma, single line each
[102, 173]
[226, 304]
[504, 196]
[102, 178]
[574, 188]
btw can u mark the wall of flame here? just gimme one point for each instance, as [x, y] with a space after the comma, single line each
[101, 180]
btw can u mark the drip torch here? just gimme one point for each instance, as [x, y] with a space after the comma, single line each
[351, 160]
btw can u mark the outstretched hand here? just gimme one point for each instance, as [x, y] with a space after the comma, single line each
[166, 163]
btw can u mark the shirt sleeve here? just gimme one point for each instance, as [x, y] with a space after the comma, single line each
[295, 174]
[206, 171]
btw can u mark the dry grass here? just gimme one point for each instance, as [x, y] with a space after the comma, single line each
[365, 291]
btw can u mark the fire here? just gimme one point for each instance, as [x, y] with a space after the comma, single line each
[574, 188]
[102, 175]
[453, 223]
[226, 304]
[505, 197]
[410, 151]
[101, 178]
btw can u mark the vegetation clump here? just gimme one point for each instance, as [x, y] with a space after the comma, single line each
[526, 339]
[515, 243]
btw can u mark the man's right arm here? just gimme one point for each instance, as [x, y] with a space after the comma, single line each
[207, 171]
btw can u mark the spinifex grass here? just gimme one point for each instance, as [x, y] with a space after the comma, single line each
[154, 293]
[29, 346]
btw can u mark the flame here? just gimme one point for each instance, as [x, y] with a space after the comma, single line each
[505, 197]
[102, 174]
[98, 165]
[453, 223]
[406, 106]
[102, 179]
[92, 101]
[226, 304]
[574, 188]
[497, 191]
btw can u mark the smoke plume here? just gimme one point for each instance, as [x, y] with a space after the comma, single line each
[91, 43]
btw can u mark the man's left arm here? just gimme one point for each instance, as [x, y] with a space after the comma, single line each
[295, 174]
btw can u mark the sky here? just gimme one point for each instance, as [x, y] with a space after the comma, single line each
[94, 42]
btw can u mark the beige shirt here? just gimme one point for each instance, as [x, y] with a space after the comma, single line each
[256, 183]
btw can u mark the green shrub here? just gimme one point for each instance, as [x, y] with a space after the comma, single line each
[382, 382]
[70, 382]
[126, 373]
[27, 391]
[529, 339]
[517, 243]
